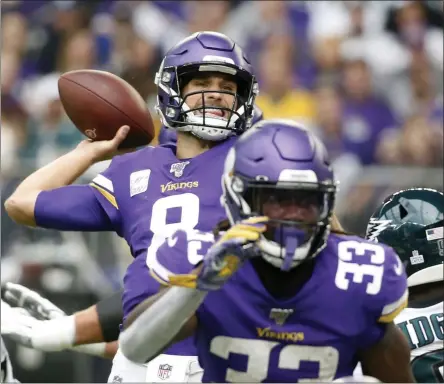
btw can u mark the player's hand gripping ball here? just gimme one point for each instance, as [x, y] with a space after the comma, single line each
[99, 103]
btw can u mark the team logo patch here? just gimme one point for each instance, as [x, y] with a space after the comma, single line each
[117, 379]
[416, 258]
[164, 371]
[177, 168]
[375, 227]
[139, 181]
[280, 315]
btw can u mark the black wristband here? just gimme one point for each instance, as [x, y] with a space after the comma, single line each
[110, 314]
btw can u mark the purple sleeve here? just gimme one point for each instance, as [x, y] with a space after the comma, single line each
[179, 254]
[389, 302]
[74, 208]
[103, 186]
[393, 295]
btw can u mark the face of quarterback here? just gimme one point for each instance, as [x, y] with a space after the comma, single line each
[214, 82]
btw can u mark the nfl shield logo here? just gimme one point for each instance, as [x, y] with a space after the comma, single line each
[280, 315]
[178, 168]
[164, 371]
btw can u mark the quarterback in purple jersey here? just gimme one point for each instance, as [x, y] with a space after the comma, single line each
[277, 297]
[206, 92]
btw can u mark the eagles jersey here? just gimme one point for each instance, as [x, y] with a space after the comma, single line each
[246, 335]
[423, 328]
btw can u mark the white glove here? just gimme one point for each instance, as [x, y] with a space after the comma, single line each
[19, 296]
[9, 323]
[46, 335]
[40, 324]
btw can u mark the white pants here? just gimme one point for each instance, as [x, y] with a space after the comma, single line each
[164, 368]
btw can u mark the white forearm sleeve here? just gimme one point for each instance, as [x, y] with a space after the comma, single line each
[154, 329]
[96, 349]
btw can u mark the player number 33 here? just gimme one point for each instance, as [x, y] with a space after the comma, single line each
[349, 269]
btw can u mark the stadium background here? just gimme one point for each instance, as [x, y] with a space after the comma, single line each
[367, 77]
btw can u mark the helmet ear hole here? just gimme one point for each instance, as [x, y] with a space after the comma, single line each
[402, 211]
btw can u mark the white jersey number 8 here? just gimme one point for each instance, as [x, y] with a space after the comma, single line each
[189, 205]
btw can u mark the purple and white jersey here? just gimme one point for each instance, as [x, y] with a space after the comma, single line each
[155, 194]
[144, 197]
[246, 334]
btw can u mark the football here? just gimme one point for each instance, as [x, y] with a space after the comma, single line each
[99, 103]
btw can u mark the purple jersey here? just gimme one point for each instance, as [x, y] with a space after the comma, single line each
[245, 334]
[156, 194]
[144, 197]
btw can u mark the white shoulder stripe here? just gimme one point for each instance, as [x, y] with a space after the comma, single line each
[389, 308]
[104, 182]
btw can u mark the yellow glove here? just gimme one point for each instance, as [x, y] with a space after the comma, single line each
[225, 257]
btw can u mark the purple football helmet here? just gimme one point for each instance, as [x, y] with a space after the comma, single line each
[281, 170]
[169, 136]
[205, 52]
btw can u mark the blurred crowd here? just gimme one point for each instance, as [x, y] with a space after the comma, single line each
[366, 76]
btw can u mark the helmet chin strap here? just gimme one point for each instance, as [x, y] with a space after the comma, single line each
[294, 254]
[210, 131]
[291, 242]
[291, 238]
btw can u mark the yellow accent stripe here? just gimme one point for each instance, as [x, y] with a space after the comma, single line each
[186, 281]
[158, 278]
[106, 194]
[391, 316]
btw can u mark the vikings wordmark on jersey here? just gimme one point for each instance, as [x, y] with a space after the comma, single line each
[246, 334]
